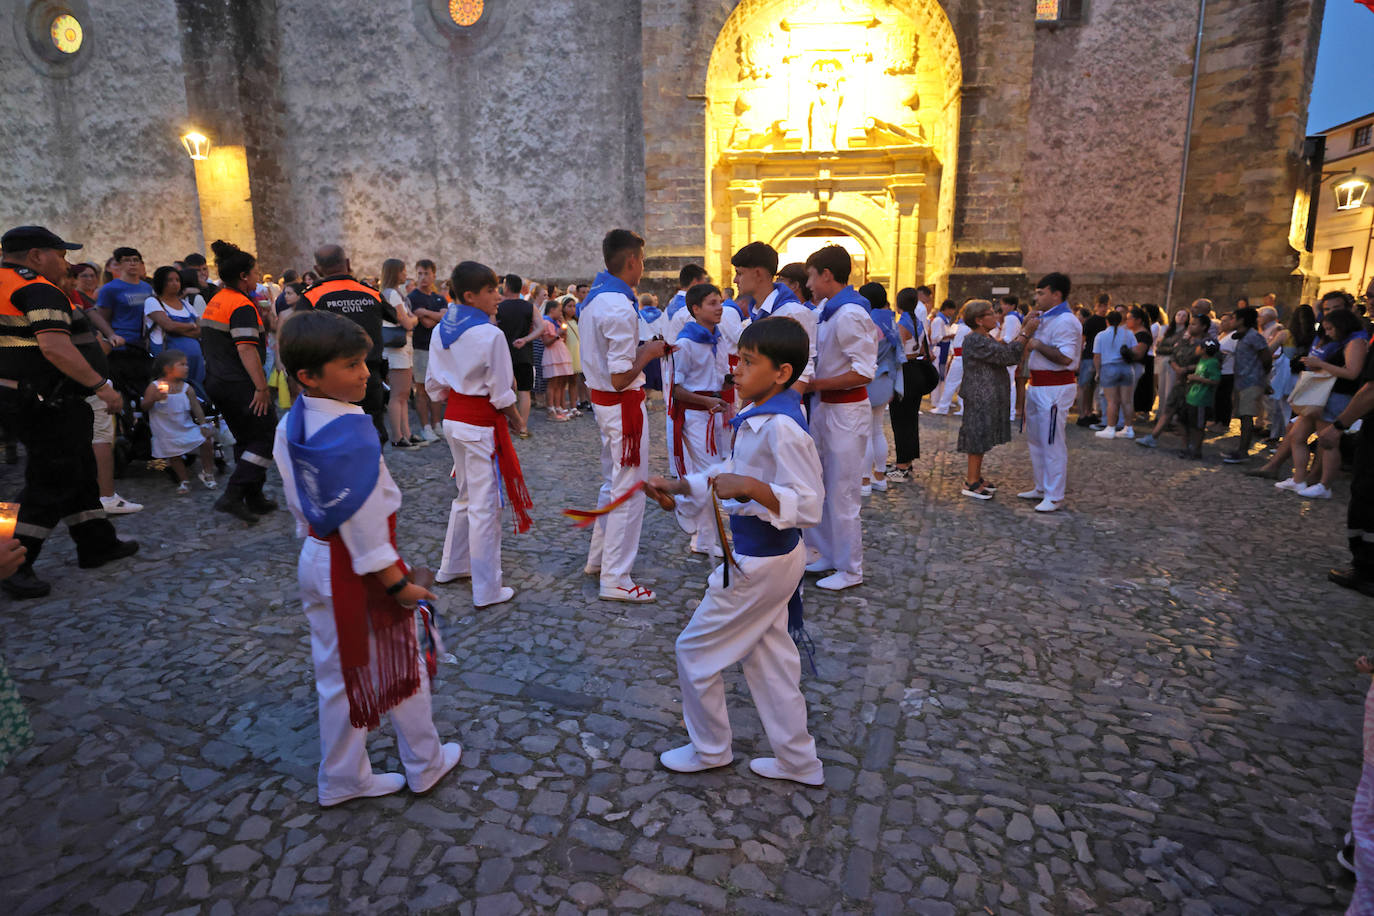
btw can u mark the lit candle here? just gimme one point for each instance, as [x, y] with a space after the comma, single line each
[164, 387]
[9, 514]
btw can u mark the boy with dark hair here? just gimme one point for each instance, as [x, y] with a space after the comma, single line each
[669, 325]
[1008, 306]
[120, 302]
[700, 366]
[846, 361]
[613, 362]
[771, 488]
[428, 306]
[521, 322]
[756, 265]
[476, 382]
[1202, 392]
[357, 592]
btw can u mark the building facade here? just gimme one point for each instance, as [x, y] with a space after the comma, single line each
[1341, 252]
[960, 143]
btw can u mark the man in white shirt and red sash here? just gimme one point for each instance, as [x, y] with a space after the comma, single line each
[1053, 363]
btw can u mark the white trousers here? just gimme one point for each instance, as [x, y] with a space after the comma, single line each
[1047, 408]
[344, 767]
[694, 513]
[615, 539]
[953, 379]
[1011, 374]
[473, 543]
[747, 622]
[841, 432]
[877, 443]
[667, 375]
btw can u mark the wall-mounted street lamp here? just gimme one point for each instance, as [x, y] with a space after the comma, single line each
[196, 144]
[1351, 193]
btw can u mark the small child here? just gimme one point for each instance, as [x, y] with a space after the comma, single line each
[358, 597]
[177, 422]
[557, 363]
[699, 365]
[477, 381]
[1201, 393]
[771, 485]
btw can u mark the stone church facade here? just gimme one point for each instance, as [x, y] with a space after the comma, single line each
[953, 142]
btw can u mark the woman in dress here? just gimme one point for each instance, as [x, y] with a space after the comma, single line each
[399, 360]
[987, 396]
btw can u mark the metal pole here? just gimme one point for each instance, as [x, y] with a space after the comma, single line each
[1187, 148]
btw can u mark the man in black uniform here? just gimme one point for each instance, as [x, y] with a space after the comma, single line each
[1359, 521]
[44, 382]
[338, 292]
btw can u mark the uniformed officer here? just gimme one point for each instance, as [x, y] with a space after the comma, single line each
[338, 292]
[234, 341]
[44, 383]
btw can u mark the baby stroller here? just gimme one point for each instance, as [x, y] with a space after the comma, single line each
[131, 375]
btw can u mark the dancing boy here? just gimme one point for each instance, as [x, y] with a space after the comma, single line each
[756, 264]
[700, 364]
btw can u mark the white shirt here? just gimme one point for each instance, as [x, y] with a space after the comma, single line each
[366, 534]
[1228, 353]
[1065, 334]
[961, 331]
[807, 318]
[774, 449]
[696, 368]
[848, 341]
[731, 326]
[153, 305]
[1011, 326]
[609, 334]
[940, 328]
[478, 364]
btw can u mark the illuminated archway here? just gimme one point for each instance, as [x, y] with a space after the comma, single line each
[839, 114]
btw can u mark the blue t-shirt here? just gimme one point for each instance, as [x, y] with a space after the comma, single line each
[124, 301]
[1108, 343]
[422, 300]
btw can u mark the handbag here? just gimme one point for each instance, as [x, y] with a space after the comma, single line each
[925, 378]
[393, 338]
[1311, 392]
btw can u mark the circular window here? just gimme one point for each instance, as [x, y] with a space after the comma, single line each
[465, 12]
[66, 33]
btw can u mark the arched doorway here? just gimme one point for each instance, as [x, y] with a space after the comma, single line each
[835, 116]
[800, 246]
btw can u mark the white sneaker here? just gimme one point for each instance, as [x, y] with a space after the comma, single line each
[940, 411]
[1289, 483]
[1031, 494]
[769, 768]
[428, 435]
[183, 488]
[838, 581]
[438, 430]
[380, 784]
[1316, 491]
[506, 594]
[453, 752]
[444, 578]
[880, 484]
[686, 760]
[866, 490]
[1046, 505]
[208, 479]
[118, 505]
[818, 567]
[1126, 432]
[635, 594]
[1105, 433]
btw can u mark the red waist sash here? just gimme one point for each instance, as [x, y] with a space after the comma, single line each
[1044, 377]
[478, 411]
[679, 416]
[727, 393]
[631, 404]
[847, 396]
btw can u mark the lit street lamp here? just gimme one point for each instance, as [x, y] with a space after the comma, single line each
[196, 144]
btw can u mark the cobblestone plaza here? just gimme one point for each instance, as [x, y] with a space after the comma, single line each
[1144, 704]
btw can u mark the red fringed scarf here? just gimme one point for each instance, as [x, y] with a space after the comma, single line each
[362, 608]
[631, 405]
[679, 421]
[478, 411]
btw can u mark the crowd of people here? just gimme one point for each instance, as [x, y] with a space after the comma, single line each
[776, 395]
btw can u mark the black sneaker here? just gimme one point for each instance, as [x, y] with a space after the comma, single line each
[418, 442]
[235, 506]
[1349, 578]
[403, 443]
[259, 504]
[1083, 422]
[24, 584]
[119, 551]
[1346, 857]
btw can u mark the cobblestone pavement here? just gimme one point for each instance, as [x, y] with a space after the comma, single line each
[1142, 704]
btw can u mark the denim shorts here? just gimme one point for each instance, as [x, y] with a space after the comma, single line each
[1335, 403]
[1085, 371]
[1116, 375]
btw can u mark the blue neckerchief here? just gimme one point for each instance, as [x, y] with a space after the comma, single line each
[458, 320]
[883, 318]
[697, 333]
[909, 323]
[335, 469]
[739, 309]
[1060, 309]
[610, 283]
[845, 296]
[787, 403]
[650, 313]
[677, 303]
[784, 295]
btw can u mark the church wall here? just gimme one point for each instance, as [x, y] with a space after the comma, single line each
[96, 155]
[1108, 109]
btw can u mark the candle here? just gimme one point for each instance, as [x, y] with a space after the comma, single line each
[164, 387]
[9, 514]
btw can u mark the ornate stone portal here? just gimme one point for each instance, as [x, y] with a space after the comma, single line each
[828, 119]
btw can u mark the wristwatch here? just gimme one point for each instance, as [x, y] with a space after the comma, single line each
[1339, 425]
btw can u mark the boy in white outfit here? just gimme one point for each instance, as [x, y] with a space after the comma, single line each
[700, 364]
[954, 376]
[470, 372]
[771, 487]
[675, 316]
[613, 362]
[756, 266]
[846, 361]
[358, 598]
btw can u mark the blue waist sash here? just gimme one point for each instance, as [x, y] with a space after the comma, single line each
[754, 537]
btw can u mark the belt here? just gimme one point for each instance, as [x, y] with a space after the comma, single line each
[631, 403]
[958, 351]
[847, 396]
[709, 394]
[1047, 377]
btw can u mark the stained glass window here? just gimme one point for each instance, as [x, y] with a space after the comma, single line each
[465, 12]
[66, 34]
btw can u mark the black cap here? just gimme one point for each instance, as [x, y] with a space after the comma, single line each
[22, 238]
